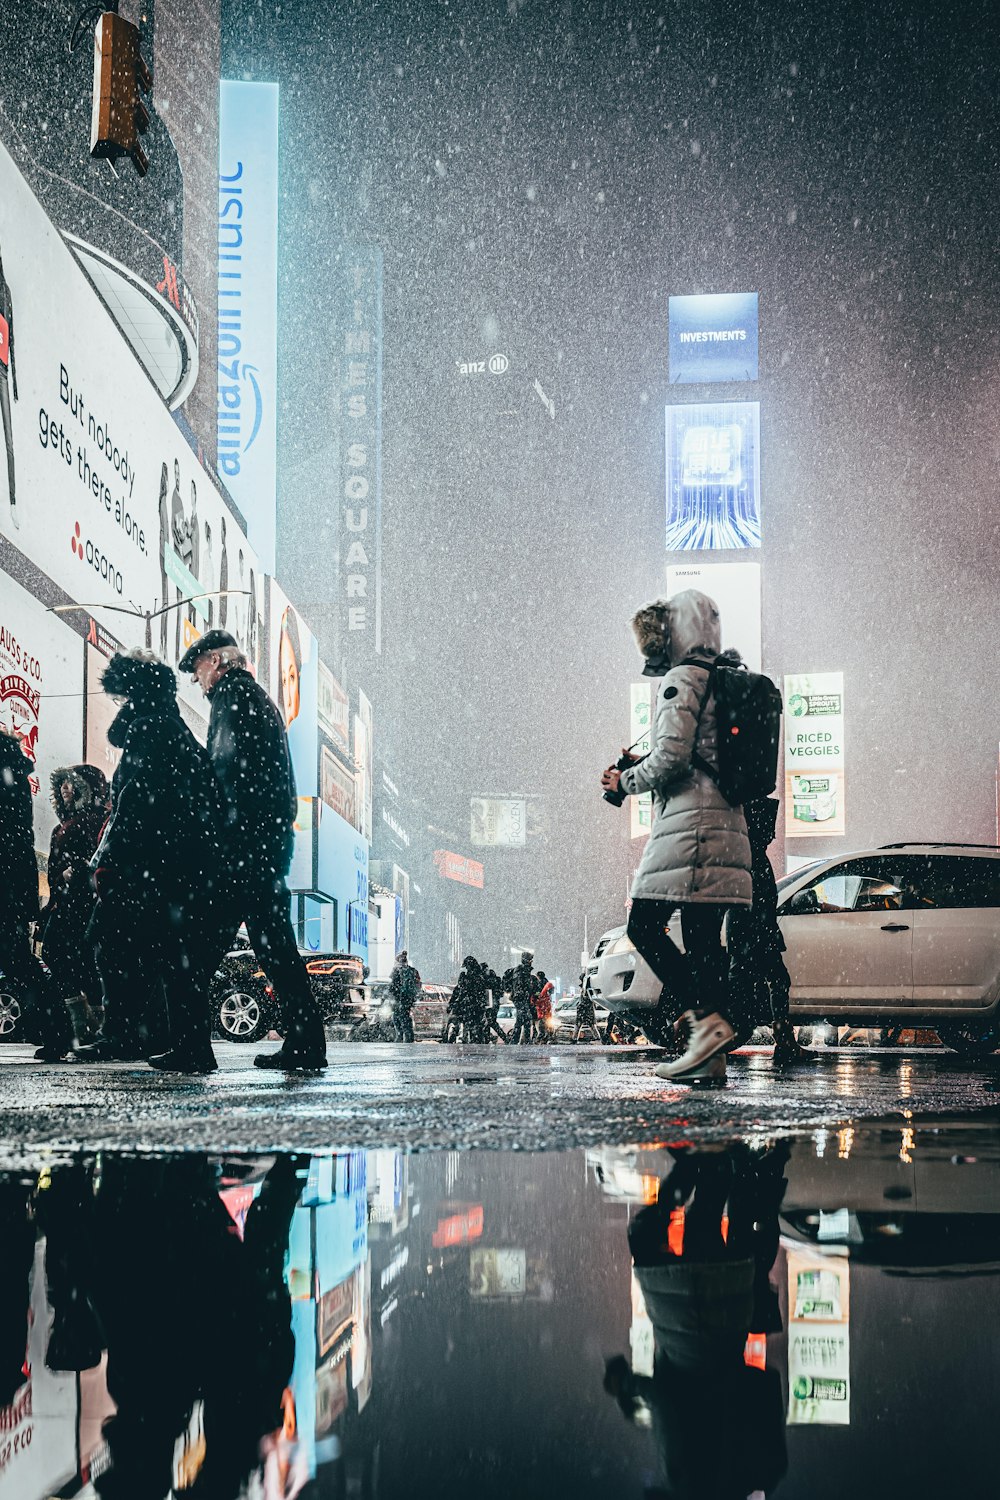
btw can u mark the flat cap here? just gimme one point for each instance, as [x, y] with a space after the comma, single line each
[212, 640]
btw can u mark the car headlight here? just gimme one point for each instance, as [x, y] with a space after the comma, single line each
[624, 944]
[551, 1023]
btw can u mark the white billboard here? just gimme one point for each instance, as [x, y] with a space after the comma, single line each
[735, 587]
[640, 809]
[497, 822]
[814, 755]
[41, 691]
[108, 499]
[248, 304]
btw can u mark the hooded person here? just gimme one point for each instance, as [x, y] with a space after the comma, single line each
[47, 1018]
[158, 876]
[697, 856]
[80, 798]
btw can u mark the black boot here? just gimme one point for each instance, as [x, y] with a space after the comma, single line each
[181, 1059]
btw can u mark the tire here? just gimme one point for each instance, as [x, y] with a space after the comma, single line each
[973, 1039]
[11, 1018]
[241, 1016]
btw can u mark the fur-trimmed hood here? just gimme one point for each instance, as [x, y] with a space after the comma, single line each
[670, 631]
[90, 786]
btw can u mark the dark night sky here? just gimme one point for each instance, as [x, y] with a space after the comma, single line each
[541, 178]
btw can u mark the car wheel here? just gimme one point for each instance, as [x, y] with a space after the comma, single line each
[10, 1016]
[971, 1039]
[241, 1017]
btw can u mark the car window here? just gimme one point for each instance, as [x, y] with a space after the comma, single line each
[952, 880]
[862, 885]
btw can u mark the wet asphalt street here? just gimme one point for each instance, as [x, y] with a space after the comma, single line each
[430, 1097]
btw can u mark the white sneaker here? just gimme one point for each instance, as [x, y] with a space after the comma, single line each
[708, 1040]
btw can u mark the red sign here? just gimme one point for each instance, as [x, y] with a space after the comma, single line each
[457, 867]
[459, 1227]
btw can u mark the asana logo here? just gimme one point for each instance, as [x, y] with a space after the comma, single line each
[83, 548]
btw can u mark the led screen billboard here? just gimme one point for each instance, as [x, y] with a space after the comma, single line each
[497, 822]
[248, 303]
[713, 338]
[295, 687]
[713, 475]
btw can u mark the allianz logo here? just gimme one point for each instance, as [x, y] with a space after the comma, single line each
[497, 364]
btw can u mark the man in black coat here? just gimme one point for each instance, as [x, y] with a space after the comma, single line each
[249, 753]
[158, 876]
[48, 1019]
[521, 993]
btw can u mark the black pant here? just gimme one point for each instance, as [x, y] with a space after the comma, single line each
[523, 1019]
[265, 905]
[692, 980]
[46, 1016]
[402, 1019]
[8, 435]
[154, 968]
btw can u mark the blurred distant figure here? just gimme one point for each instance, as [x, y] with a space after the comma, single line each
[521, 994]
[404, 988]
[543, 1008]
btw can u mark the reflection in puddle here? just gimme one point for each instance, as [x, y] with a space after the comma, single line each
[769, 1315]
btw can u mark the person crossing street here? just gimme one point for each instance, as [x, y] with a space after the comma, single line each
[249, 752]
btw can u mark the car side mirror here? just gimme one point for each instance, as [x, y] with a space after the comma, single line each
[803, 903]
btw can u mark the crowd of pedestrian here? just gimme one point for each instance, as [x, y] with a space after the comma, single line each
[150, 878]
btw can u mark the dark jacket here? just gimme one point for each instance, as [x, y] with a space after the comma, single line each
[161, 844]
[19, 904]
[754, 932]
[75, 836]
[404, 986]
[523, 986]
[249, 753]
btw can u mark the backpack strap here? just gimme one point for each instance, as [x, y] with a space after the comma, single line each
[698, 761]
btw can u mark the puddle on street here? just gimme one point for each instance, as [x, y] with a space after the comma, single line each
[815, 1317]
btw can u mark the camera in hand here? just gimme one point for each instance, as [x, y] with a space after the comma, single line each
[621, 764]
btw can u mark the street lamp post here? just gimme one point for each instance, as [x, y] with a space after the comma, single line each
[149, 615]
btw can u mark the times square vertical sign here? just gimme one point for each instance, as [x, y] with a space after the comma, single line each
[360, 566]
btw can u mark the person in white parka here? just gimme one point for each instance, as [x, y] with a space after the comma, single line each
[697, 857]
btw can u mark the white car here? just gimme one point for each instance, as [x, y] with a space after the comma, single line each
[905, 934]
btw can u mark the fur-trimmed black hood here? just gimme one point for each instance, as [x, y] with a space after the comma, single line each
[141, 678]
[90, 786]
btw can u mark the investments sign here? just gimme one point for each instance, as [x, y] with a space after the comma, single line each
[713, 338]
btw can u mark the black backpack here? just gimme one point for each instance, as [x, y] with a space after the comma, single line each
[748, 726]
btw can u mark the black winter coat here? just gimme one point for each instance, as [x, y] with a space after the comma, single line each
[19, 904]
[161, 844]
[523, 986]
[249, 754]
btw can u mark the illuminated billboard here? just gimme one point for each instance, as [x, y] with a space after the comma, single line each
[814, 755]
[713, 338]
[295, 687]
[497, 822]
[248, 303]
[713, 475]
[456, 867]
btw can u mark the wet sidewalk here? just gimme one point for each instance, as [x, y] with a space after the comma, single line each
[460, 1098]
